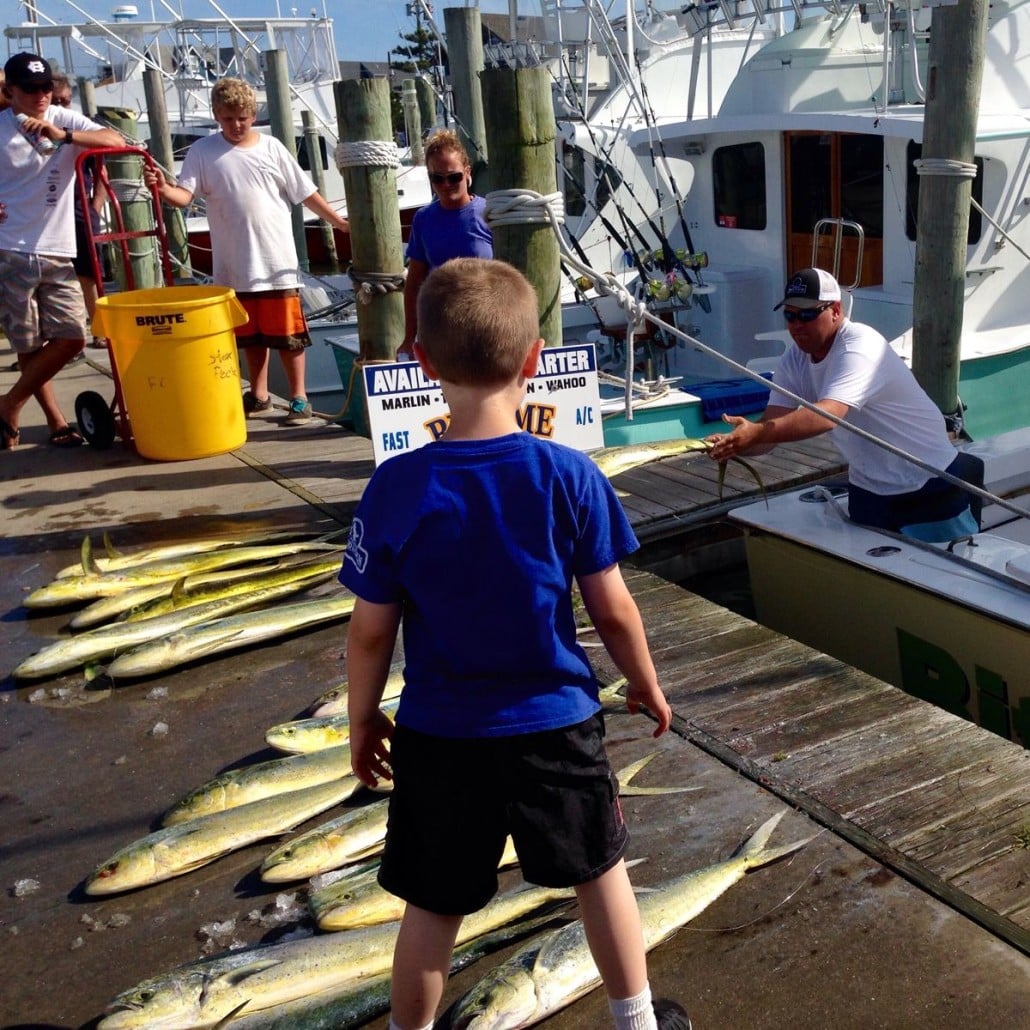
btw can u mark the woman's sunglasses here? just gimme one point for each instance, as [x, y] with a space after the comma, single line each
[451, 178]
[63, 101]
[806, 314]
[38, 87]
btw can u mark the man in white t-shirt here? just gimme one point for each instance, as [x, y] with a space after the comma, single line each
[41, 306]
[849, 370]
[250, 183]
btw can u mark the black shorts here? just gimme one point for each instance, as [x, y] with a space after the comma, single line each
[935, 501]
[455, 802]
[82, 261]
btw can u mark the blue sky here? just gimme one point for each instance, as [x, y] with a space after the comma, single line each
[364, 29]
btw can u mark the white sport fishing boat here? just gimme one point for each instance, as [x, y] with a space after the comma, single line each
[949, 623]
[807, 155]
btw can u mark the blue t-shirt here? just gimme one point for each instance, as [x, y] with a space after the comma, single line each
[439, 233]
[480, 542]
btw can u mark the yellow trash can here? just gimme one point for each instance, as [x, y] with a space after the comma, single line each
[175, 353]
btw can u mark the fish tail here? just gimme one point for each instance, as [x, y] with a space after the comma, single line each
[754, 852]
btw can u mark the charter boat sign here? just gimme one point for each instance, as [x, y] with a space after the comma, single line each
[407, 410]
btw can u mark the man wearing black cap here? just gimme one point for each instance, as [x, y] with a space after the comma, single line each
[848, 370]
[41, 306]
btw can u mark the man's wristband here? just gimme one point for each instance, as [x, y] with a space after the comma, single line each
[68, 136]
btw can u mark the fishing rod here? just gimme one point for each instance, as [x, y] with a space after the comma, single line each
[670, 258]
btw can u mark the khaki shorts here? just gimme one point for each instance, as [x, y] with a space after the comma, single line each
[276, 320]
[41, 300]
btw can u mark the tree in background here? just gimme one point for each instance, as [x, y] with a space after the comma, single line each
[422, 54]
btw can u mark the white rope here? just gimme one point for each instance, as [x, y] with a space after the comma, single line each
[130, 191]
[524, 207]
[945, 166]
[378, 153]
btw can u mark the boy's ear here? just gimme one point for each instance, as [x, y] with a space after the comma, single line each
[533, 359]
[423, 360]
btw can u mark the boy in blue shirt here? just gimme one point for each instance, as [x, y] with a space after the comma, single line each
[475, 540]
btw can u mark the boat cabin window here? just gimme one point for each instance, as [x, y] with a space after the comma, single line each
[302, 153]
[577, 188]
[738, 174]
[915, 151]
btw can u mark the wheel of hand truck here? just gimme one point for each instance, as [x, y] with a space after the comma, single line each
[96, 423]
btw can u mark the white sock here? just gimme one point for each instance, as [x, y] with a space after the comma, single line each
[636, 1013]
[394, 1026]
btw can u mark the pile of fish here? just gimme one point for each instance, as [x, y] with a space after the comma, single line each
[339, 980]
[338, 977]
[162, 607]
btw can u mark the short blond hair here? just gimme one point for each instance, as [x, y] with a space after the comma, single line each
[233, 95]
[477, 320]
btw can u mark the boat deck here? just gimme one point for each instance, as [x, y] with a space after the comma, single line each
[910, 900]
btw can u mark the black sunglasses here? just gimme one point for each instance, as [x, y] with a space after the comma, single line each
[806, 314]
[38, 87]
[63, 101]
[452, 178]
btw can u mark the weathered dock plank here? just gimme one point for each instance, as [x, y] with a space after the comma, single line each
[940, 800]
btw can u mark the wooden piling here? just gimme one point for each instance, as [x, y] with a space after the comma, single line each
[87, 97]
[363, 113]
[412, 121]
[314, 152]
[954, 76]
[521, 136]
[280, 117]
[125, 174]
[464, 30]
[160, 147]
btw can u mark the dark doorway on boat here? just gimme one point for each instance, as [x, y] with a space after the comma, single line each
[835, 175]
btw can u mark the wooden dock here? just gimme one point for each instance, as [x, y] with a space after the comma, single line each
[933, 797]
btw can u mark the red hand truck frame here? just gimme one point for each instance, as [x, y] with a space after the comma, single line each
[99, 421]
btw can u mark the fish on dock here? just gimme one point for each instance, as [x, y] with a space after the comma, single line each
[91, 585]
[259, 781]
[334, 700]
[122, 636]
[175, 850]
[555, 969]
[253, 980]
[228, 634]
[317, 732]
[112, 559]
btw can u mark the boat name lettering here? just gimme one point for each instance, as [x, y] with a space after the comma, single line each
[398, 379]
[176, 318]
[562, 362]
[931, 673]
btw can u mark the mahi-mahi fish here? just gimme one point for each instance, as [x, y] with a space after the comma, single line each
[179, 849]
[227, 634]
[113, 559]
[260, 780]
[614, 460]
[317, 731]
[207, 992]
[91, 585]
[555, 969]
[104, 609]
[119, 637]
